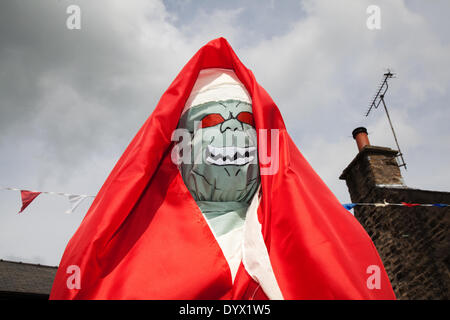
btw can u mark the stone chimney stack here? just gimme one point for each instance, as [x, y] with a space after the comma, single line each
[372, 167]
[413, 242]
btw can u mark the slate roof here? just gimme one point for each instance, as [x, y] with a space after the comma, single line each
[26, 278]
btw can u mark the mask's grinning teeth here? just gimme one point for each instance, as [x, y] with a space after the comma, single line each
[230, 155]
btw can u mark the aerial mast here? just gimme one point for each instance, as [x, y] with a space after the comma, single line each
[379, 98]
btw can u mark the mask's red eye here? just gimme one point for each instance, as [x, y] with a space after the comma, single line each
[246, 117]
[211, 120]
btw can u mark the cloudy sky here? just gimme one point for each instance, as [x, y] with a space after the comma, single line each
[71, 100]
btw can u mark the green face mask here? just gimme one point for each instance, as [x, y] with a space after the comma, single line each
[224, 165]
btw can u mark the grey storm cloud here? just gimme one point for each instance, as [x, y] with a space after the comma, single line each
[71, 100]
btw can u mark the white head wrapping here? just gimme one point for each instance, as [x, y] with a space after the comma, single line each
[214, 83]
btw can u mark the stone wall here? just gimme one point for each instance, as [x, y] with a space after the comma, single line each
[413, 243]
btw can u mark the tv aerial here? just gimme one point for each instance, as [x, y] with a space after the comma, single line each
[379, 98]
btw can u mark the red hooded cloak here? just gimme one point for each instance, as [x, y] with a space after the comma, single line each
[144, 236]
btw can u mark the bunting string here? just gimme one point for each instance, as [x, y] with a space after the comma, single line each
[29, 195]
[76, 199]
[350, 206]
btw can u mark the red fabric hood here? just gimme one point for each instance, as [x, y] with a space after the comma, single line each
[144, 236]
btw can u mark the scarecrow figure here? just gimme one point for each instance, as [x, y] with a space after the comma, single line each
[213, 200]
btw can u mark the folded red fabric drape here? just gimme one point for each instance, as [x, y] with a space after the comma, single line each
[144, 236]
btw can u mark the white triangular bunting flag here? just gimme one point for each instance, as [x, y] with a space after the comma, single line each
[75, 201]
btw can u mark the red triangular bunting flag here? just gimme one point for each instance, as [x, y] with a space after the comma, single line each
[410, 204]
[27, 198]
